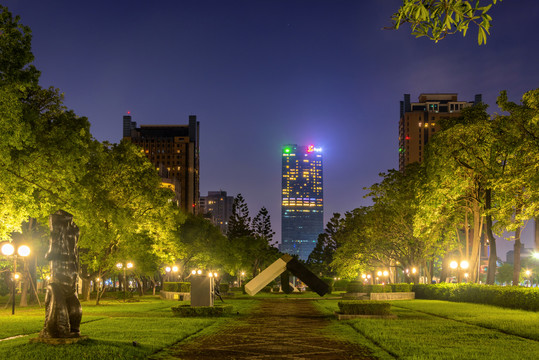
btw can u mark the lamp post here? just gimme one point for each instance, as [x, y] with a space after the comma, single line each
[129, 265]
[528, 273]
[9, 250]
[462, 266]
[241, 277]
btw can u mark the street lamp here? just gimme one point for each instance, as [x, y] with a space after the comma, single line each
[462, 266]
[9, 250]
[528, 273]
[129, 265]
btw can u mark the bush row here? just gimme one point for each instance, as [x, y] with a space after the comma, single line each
[358, 287]
[364, 307]
[188, 311]
[177, 286]
[504, 296]
[336, 285]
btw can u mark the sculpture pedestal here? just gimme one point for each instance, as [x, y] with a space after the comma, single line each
[58, 341]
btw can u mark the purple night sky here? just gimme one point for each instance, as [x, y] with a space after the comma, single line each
[259, 74]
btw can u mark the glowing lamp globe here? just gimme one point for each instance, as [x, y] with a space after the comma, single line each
[8, 249]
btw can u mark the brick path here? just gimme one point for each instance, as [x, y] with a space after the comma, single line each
[277, 329]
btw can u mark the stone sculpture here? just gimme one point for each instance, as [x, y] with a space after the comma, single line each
[63, 310]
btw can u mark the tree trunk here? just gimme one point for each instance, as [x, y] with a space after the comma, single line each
[493, 256]
[516, 258]
[25, 287]
[536, 220]
[86, 288]
[140, 285]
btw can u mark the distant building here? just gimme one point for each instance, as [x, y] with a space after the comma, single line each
[174, 150]
[420, 120]
[218, 208]
[302, 205]
[524, 254]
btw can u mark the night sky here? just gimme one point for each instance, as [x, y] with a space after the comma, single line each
[260, 74]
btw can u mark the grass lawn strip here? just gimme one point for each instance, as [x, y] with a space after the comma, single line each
[416, 335]
[508, 321]
[113, 329]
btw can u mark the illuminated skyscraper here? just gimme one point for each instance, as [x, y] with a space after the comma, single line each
[302, 206]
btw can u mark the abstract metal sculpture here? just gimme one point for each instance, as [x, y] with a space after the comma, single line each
[63, 311]
[284, 263]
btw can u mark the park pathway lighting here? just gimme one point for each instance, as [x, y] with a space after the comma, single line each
[459, 267]
[9, 250]
[127, 266]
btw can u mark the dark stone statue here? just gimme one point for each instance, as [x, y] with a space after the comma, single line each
[63, 310]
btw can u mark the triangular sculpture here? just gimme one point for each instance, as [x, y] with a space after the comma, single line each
[286, 262]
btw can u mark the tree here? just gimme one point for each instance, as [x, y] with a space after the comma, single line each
[239, 224]
[519, 134]
[321, 257]
[437, 19]
[121, 210]
[261, 245]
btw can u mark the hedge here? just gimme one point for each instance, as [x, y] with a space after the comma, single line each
[357, 287]
[504, 296]
[177, 286]
[340, 285]
[329, 281]
[364, 307]
[189, 311]
[224, 288]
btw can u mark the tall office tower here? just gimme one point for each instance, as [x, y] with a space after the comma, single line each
[420, 120]
[218, 206]
[302, 206]
[174, 150]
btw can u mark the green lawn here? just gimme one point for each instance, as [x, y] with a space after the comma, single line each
[112, 328]
[429, 329]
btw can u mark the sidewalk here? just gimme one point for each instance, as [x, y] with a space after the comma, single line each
[277, 329]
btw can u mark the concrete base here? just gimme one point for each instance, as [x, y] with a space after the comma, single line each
[58, 341]
[173, 295]
[350, 317]
[393, 296]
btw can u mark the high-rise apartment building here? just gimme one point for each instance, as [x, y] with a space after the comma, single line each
[218, 206]
[302, 199]
[420, 120]
[174, 150]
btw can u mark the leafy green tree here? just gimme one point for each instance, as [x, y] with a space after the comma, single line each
[519, 134]
[239, 224]
[43, 145]
[327, 243]
[121, 206]
[437, 19]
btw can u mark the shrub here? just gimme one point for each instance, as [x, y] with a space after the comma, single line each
[401, 287]
[340, 285]
[266, 289]
[224, 288]
[4, 289]
[378, 288]
[276, 288]
[177, 286]
[189, 311]
[355, 286]
[330, 283]
[364, 307]
[503, 296]
[285, 282]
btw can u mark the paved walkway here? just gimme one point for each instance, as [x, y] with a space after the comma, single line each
[277, 329]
